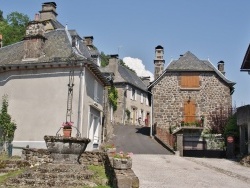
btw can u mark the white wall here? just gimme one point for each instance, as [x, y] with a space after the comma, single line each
[38, 103]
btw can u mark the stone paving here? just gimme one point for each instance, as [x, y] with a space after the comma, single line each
[164, 171]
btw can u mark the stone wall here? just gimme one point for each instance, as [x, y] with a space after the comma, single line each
[169, 98]
[117, 178]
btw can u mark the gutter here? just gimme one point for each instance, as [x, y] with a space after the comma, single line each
[81, 95]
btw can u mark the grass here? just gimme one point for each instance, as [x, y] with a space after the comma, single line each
[99, 177]
[5, 177]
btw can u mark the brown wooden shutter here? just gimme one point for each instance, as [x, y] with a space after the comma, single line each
[189, 111]
[190, 80]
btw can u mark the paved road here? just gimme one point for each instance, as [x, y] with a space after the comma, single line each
[171, 171]
[156, 167]
[136, 140]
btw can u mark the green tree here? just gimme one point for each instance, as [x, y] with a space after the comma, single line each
[1, 15]
[13, 27]
[113, 97]
[231, 128]
[7, 126]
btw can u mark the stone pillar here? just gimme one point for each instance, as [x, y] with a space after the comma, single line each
[180, 144]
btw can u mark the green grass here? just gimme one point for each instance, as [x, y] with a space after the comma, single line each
[5, 177]
[99, 176]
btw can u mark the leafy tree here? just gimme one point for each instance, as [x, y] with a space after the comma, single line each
[219, 118]
[13, 27]
[231, 128]
[1, 15]
[113, 97]
[104, 59]
[7, 126]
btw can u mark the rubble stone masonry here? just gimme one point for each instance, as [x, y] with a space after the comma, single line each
[169, 98]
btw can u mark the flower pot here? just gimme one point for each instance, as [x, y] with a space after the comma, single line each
[122, 163]
[67, 132]
[110, 150]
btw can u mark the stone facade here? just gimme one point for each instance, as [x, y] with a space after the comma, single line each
[169, 98]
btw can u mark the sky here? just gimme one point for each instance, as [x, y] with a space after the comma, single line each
[214, 30]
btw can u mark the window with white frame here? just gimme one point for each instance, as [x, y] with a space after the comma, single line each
[146, 99]
[133, 94]
[96, 99]
[142, 97]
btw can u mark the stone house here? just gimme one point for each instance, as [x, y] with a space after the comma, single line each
[243, 113]
[133, 105]
[187, 90]
[35, 74]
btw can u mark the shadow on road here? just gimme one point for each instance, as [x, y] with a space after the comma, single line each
[143, 130]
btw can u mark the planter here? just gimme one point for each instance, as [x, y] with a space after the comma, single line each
[67, 132]
[110, 150]
[122, 163]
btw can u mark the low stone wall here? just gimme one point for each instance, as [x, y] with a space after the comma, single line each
[36, 156]
[117, 178]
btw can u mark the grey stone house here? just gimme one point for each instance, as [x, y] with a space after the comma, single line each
[188, 89]
[243, 112]
[133, 105]
[35, 74]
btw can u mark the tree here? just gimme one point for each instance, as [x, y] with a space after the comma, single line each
[13, 27]
[1, 15]
[7, 126]
[219, 118]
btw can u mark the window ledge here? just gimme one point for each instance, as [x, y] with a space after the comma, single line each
[190, 89]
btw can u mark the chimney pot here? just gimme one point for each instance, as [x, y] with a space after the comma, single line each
[221, 67]
[37, 17]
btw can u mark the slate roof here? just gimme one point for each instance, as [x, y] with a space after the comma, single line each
[126, 76]
[57, 49]
[190, 63]
[57, 46]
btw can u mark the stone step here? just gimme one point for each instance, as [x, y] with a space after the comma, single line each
[62, 183]
[53, 175]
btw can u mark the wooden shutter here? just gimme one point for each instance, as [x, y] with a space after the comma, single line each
[190, 80]
[189, 111]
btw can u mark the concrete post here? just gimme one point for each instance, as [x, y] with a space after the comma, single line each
[180, 144]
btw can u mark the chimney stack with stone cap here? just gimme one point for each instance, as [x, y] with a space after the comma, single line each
[88, 40]
[159, 61]
[48, 11]
[34, 39]
[221, 67]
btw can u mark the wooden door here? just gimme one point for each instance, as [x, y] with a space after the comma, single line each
[189, 111]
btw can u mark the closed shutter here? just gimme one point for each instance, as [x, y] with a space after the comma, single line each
[189, 112]
[190, 80]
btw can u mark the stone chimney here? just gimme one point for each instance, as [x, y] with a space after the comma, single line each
[113, 63]
[34, 39]
[48, 11]
[88, 40]
[146, 80]
[221, 67]
[159, 61]
[1, 41]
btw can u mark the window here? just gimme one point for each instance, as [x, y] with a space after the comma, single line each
[142, 97]
[146, 99]
[96, 99]
[133, 94]
[190, 80]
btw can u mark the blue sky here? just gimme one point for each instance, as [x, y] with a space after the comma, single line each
[218, 30]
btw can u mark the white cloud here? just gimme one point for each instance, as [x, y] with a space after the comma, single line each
[137, 65]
